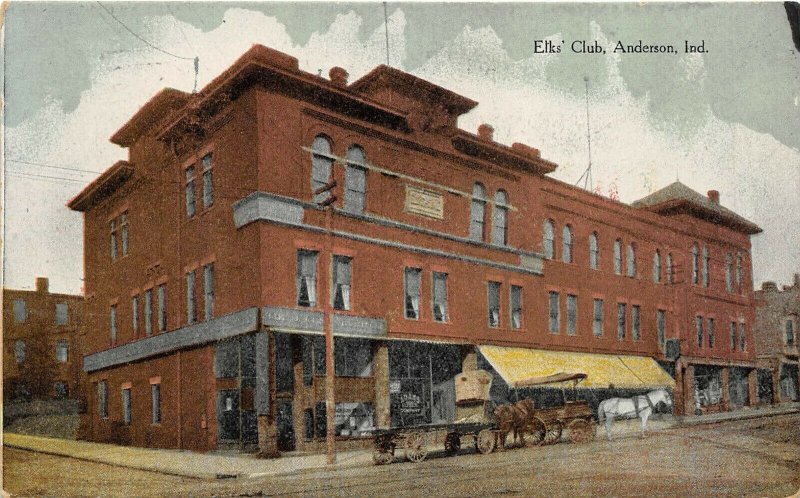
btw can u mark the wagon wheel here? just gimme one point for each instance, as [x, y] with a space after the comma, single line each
[581, 431]
[535, 432]
[553, 434]
[452, 443]
[485, 442]
[415, 447]
[382, 457]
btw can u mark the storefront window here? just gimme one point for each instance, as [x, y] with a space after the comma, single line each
[707, 385]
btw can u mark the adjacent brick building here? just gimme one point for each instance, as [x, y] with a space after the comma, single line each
[775, 334]
[41, 344]
[208, 260]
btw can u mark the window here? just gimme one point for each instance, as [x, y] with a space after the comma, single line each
[733, 336]
[516, 307]
[321, 164]
[135, 315]
[621, 321]
[208, 290]
[307, 278]
[413, 281]
[739, 273]
[705, 266]
[636, 330]
[62, 314]
[493, 301]
[631, 270]
[500, 218]
[126, 406]
[554, 319]
[477, 212]
[20, 311]
[742, 337]
[113, 224]
[657, 266]
[352, 357]
[729, 272]
[20, 352]
[113, 323]
[123, 225]
[342, 269]
[102, 399]
[548, 240]
[162, 307]
[148, 312]
[440, 297]
[62, 351]
[669, 268]
[355, 180]
[189, 188]
[61, 389]
[618, 257]
[698, 325]
[661, 326]
[711, 338]
[208, 180]
[594, 252]
[572, 314]
[694, 264]
[155, 403]
[597, 318]
[566, 244]
[789, 337]
[191, 301]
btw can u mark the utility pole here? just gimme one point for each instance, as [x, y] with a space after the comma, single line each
[330, 402]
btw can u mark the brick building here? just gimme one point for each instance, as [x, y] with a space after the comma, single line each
[41, 344]
[209, 261]
[775, 335]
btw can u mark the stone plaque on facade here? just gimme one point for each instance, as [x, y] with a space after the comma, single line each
[424, 202]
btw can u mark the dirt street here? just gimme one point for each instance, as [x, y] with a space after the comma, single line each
[759, 457]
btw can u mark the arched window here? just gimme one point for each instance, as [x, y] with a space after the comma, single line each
[706, 264]
[355, 180]
[321, 164]
[631, 260]
[618, 257]
[548, 242]
[566, 244]
[500, 218]
[669, 268]
[729, 272]
[594, 252]
[694, 264]
[657, 266]
[739, 272]
[477, 212]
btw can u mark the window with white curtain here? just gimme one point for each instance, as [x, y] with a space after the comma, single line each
[307, 278]
[413, 282]
[493, 303]
[440, 313]
[342, 275]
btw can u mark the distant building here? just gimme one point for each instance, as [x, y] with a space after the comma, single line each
[776, 337]
[209, 266]
[41, 344]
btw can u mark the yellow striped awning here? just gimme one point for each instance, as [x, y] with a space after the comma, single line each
[521, 366]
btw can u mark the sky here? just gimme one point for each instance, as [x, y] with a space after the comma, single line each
[727, 119]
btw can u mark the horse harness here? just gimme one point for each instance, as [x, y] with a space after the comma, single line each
[635, 400]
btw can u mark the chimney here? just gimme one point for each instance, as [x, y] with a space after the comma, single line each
[338, 76]
[713, 196]
[769, 286]
[42, 285]
[486, 132]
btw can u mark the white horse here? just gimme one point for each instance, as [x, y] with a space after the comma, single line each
[641, 406]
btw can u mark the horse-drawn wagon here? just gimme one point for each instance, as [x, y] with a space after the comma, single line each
[488, 428]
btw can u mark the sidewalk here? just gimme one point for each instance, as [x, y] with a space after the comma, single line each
[241, 465]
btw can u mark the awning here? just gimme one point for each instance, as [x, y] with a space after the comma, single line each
[522, 366]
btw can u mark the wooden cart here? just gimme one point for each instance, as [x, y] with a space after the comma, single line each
[547, 424]
[412, 440]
